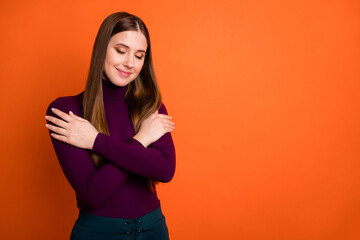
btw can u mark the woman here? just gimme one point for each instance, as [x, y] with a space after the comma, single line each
[113, 140]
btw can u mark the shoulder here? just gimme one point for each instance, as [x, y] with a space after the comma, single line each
[163, 109]
[66, 104]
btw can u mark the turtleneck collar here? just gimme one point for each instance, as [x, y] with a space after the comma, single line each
[113, 92]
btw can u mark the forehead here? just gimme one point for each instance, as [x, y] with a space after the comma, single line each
[134, 39]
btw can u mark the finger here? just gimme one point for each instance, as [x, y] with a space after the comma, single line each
[56, 129]
[59, 137]
[167, 121]
[167, 125]
[169, 128]
[76, 117]
[164, 116]
[170, 124]
[57, 121]
[61, 114]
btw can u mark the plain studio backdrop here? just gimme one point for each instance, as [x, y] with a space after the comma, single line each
[264, 96]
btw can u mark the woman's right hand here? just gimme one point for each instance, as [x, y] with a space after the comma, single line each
[154, 127]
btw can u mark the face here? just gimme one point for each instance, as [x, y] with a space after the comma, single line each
[125, 57]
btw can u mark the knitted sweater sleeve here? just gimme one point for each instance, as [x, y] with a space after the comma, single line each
[93, 186]
[157, 161]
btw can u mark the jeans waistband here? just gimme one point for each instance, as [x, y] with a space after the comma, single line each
[112, 224]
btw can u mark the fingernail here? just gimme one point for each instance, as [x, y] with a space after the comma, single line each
[52, 109]
[71, 112]
[46, 117]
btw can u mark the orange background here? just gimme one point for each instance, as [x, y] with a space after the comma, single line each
[264, 94]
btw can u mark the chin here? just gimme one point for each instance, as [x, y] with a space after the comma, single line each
[122, 82]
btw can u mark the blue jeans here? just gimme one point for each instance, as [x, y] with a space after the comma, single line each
[148, 227]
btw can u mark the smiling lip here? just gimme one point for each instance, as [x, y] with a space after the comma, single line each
[126, 74]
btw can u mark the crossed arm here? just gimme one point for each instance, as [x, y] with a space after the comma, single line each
[73, 137]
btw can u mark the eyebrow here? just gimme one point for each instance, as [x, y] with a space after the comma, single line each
[129, 47]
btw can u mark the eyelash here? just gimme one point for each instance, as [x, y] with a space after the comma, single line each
[124, 52]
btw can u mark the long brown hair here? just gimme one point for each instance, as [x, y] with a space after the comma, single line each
[142, 96]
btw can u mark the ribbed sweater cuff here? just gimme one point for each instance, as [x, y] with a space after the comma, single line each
[135, 142]
[100, 140]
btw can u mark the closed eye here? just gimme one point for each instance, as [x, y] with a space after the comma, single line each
[119, 51]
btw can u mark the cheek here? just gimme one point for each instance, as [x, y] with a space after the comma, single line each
[107, 64]
[140, 66]
[110, 59]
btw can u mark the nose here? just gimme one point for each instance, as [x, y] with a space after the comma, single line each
[129, 61]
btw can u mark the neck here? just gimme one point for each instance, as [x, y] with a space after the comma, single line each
[113, 92]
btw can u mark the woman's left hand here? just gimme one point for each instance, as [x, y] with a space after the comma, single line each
[73, 130]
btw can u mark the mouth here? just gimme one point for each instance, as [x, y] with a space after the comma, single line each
[124, 73]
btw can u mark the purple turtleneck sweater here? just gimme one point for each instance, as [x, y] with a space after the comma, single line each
[119, 188]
